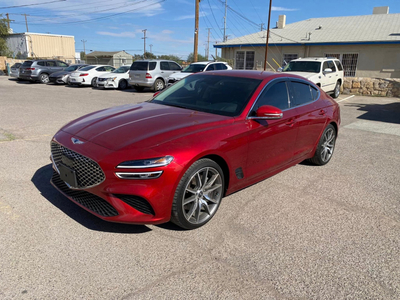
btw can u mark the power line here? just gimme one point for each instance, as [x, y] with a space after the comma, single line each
[16, 6]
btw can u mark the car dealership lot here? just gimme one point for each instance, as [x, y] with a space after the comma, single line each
[310, 232]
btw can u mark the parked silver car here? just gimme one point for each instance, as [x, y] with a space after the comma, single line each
[14, 70]
[62, 77]
[39, 70]
[151, 73]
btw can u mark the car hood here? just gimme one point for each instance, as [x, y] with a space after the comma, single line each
[307, 75]
[110, 74]
[59, 73]
[142, 125]
[180, 75]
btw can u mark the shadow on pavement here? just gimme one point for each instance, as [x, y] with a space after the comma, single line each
[389, 113]
[41, 180]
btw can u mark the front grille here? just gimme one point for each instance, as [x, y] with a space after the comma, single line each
[92, 202]
[88, 172]
[137, 203]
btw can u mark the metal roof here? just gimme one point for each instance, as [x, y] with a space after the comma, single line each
[369, 29]
[105, 53]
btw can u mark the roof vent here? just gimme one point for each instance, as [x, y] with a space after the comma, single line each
[381, 10]
[281, 22]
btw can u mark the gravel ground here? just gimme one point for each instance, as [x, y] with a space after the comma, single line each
[330, 232]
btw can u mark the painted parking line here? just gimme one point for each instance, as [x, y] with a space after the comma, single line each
[345, 98]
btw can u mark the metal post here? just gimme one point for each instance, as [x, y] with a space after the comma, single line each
[144, 40]
[266, 43]
[196, 30]
[226, 5]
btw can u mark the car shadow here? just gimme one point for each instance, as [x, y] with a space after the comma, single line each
[389, 113]
[41, 180]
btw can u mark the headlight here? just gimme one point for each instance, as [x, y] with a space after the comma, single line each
[112, 78]
[146, 163]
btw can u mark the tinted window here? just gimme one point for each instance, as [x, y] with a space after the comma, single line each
[62, 64]
[302, 66]
[164, 65]
[51, 63]
[87, 68]
[314, 92]
[301, 93]
[339, 65]
[152, 65]
[331, 65]
[223, 95]
[101, 69]
[221, 67]
[210, 68]
[109, 68]
[325, 66]
[174, 66]
[27, 64]
[71, 68]
[139, 66]
[41, 63]
[275, 95]
[194, 68]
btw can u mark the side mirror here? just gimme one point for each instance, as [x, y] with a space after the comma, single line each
[328, 70]
[280, 69]
[268, 112]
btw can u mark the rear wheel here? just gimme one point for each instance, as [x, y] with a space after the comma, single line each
[198, 194]
[44, 78]
[158, 85]
[325, 147]
[122, 84]
[94, 82]
[336, 91]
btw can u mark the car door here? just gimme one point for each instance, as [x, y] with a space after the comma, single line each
[61, 65]
[327, 78]
[310, 116]
[51, 67]
[271, 142]
[165, 70]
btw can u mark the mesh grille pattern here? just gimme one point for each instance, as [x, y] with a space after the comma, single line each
[88, 172]
[86, 199]
[137, 203]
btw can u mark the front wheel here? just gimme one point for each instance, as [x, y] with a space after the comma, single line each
[94, 82]
[325, 147]
[44, 78]
[122, 85]
[198, 194]
[336, 91]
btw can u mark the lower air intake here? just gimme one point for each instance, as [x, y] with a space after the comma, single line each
[137, 203]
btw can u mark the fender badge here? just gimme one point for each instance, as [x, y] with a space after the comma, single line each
[76, 141]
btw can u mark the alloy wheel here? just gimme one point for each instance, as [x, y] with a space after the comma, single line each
[328, 144]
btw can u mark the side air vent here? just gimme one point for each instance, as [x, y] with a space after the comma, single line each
[137, 203]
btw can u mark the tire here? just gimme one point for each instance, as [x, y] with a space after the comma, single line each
[44, 78]
[139, 88]
[94, 82]
[326, 146]
[122, 85]
[158, 85]
[336, 91]
[198, 194]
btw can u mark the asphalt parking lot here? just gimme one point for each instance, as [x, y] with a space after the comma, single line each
[330, 232]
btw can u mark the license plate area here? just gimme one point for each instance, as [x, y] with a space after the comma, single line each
[68, 175]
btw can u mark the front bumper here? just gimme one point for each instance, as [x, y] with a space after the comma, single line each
[132, 201]
[59, 80]
[79, 81]
[107, 84]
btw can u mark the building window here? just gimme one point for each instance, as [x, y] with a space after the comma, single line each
[349, 62]
[288, 57]
[245, 60]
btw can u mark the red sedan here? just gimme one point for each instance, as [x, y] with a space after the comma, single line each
[175, 157]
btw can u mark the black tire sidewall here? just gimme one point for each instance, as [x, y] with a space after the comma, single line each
[318, 152]
[177, 215]
[122, 84]
[93, 82]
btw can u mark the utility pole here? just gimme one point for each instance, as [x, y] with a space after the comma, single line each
[208, 44]
[266, 43]
[144, 40]
[8, 21]
[196, 30]
[216, 50]
[262, 26]
[226, 6]
[84, 49]
[26, 22]
[151, 48]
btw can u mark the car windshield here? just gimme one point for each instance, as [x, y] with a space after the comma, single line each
[302, 66]
[87, 68]
[122, 69]
[71, 68]
[222, 95]
[194, 68]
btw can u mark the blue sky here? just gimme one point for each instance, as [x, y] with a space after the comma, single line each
[113, 25]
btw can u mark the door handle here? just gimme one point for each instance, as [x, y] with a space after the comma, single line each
[290, 122]
[322, 112]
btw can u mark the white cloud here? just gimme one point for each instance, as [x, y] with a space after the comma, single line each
[201, 14]
[278, 8]
[120, 34]
[166, 31]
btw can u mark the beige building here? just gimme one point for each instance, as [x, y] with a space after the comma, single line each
[40, 45]
[112, 58]
[368, 46]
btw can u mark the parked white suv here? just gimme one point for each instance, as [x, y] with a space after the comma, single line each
[326, 72]
[196, 67]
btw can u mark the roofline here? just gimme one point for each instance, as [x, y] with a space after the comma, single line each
[33, 33]
[309, 44]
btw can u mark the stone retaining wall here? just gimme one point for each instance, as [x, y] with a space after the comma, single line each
[384, 87]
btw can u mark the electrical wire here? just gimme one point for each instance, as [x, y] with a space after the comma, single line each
[16, 6]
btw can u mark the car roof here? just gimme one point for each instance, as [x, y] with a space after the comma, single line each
[207, 62]
[314, 59]
[250, 74]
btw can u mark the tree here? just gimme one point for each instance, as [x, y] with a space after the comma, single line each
[199, 57]
[3, 35]
[83, 56]
[171, 57]
[150, 55]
